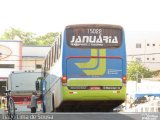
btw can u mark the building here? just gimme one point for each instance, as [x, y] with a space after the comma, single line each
[10, 59]
[33, 56]
[147, 52]
[14, 57]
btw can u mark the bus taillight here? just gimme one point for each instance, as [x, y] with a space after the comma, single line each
[64, 80]
[124, 78]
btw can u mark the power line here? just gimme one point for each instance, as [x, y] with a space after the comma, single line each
[23, 56]
[20, 66]
[22, 60]
[127, 55]
[145, 62]
[144, 54]
[9, 55]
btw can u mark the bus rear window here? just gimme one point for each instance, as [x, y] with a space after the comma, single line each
[94, 37]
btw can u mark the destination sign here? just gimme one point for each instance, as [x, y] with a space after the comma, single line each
[93, 37]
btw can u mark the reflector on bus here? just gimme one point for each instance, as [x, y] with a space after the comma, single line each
[124, 78]
[64, 79]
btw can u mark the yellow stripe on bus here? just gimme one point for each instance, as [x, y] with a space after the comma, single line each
[101, 70]
[92, 63]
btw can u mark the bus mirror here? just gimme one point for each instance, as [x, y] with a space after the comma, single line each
[37, 85]
[40, 80]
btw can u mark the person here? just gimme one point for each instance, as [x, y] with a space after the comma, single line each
[0, 103]
[3, 101]
[34, 102]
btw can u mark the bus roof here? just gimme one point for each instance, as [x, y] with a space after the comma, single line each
[94, 25]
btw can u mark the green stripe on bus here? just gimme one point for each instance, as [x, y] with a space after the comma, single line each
[101, 70]
[86, 95]
[92, 63]
[94, 82]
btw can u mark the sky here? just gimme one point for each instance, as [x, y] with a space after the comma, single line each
[43, 16]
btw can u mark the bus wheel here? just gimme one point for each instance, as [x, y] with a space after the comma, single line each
[53, 107]
[44, 107]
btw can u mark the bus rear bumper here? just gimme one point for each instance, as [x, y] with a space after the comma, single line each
[94, 95]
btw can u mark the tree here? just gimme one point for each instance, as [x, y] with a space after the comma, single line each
[14, 34]
[10, 34]
[29, 38]
[135, 69]
[46, 39]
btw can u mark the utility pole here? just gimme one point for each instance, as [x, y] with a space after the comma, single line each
[144, 51]
[136, 81]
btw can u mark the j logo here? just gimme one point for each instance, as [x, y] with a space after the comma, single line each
[96, 65]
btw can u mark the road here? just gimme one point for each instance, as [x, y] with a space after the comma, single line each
[85, 116]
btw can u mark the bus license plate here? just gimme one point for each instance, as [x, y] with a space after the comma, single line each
[94, 88]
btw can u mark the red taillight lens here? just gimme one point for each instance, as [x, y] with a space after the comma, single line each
[124, 78]
[64, 79]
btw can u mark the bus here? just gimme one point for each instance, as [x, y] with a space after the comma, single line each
[85, 69]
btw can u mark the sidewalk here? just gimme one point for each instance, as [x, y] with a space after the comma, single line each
[1, 106]
[1, 111]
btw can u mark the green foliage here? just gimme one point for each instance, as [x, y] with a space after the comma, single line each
[29, 38]
[156, 73]
[47, 39]
[9, 34]
[136, 70]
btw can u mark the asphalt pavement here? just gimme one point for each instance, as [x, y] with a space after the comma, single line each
[84, 116]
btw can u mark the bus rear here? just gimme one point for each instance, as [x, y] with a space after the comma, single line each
[94, 66]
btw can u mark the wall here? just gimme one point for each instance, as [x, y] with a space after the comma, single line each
[11, 53]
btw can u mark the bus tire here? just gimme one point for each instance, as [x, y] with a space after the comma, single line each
[53, 104]
[44, 107]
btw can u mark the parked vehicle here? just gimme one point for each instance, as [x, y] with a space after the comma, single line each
[22, 84]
